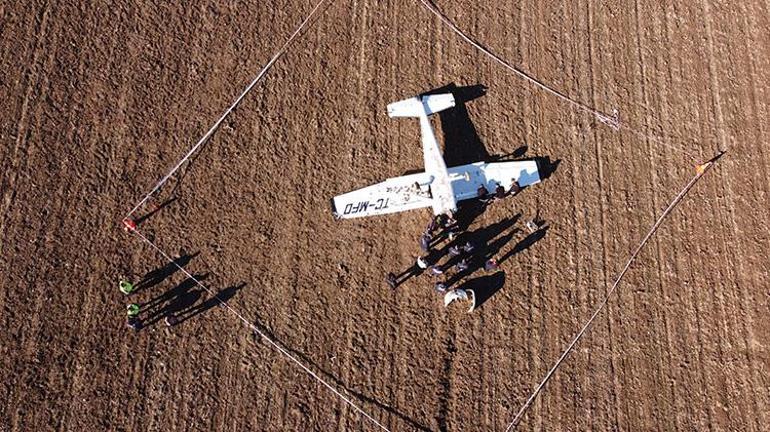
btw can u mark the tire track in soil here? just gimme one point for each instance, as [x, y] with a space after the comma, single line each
[445, 336]
[360, 15]
[582, 400]
[407, 147]
[598, 138]
[357, 55]
[719, 126]
[398, 353]
[11, 166]
[39, 87]
[748, 323]
[679, 341]
[665, 293]
[662, 296]
[29, 349]
[647, 124]
[35, 80]
[740, 277]
[575, 196]
[536, 303]
[80, 378]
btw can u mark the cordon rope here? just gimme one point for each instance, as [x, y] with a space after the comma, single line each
[253, 327]
[700, 171]
[227, 112]
[610, 120]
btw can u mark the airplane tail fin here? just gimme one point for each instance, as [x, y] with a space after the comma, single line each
[414, 107]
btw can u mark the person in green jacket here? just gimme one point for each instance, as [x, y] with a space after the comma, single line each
[132, 310]
[125, 287]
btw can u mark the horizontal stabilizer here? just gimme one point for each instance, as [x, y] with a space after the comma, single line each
[414, 107]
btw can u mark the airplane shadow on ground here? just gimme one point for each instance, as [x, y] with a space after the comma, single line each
[339, 384]
[462, 144]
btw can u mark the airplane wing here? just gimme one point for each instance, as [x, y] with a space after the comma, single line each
[390, 196]
[466, 179]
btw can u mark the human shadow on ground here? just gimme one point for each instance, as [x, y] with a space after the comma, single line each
[219, 299]
[484, 287]
[525, 243]
[405, 275]
[173, 299]
[160, 274]
[487, 242]
[183, 302]
[338, 383]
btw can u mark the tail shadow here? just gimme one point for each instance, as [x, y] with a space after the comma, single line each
[462, 144]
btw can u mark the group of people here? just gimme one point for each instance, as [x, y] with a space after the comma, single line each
[133, 310]
[460, 251]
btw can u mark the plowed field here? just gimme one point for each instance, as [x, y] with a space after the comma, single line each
[100, 99]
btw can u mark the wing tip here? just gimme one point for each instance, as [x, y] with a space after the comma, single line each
[335, 215]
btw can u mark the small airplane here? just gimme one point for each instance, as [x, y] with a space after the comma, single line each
[437, 187]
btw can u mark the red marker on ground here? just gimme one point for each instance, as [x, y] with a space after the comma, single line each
[129, 224]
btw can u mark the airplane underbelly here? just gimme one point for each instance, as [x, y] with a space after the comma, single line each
[390, 196]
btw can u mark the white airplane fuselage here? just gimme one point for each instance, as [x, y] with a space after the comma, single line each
[438, 187]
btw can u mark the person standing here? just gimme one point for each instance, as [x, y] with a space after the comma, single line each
[491, 265]
[425, 242]
[436, 270]
[125, 287]
[515, 188]
[462, 265]
[132, 310]
[468, 247]
[500, 192]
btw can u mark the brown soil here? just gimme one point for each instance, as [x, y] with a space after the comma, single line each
[98, 100]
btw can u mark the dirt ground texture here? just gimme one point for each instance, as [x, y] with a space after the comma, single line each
[100, 99]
